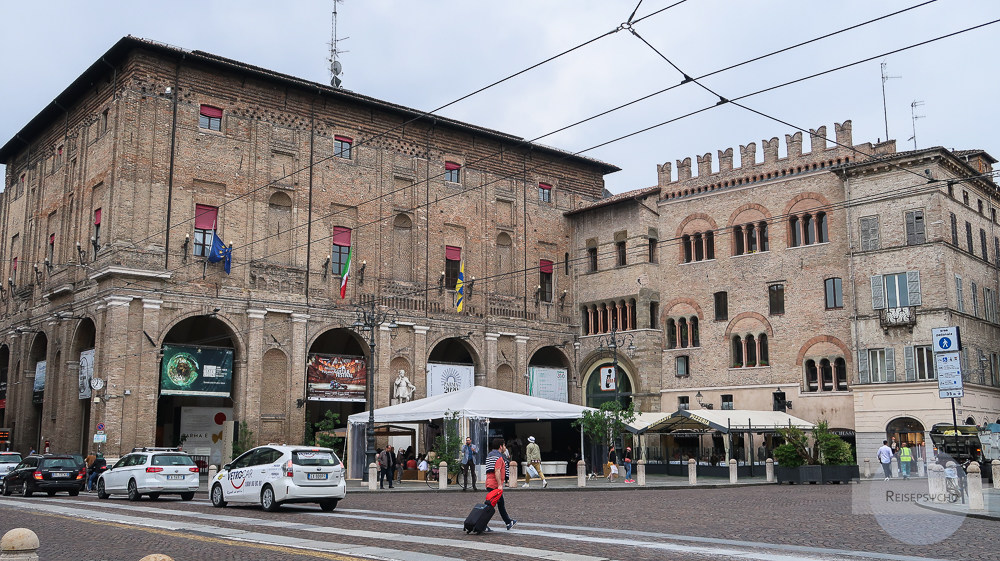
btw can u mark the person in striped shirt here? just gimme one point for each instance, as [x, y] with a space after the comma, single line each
[496, 471]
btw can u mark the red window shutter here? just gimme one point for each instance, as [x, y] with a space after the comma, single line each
[205, 217]
[343, 139]
[341, 236]
[545, 266]
[209, 111]
[451, 165]
[452, 253]
[545, 186]
[52, 239]
[97, 217]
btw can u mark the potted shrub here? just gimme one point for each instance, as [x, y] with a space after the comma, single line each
[829, 460]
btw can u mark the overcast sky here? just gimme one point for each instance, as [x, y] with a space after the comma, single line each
[427, 54]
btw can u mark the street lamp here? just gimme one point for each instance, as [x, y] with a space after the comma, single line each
[367, 320]
[612, 342]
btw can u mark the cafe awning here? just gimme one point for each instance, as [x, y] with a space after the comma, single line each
[727, 420]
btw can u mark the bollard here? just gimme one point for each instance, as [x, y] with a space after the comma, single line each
[581, 474]
[443, 475]
[732, 470]
[692, 472]
[157, 557]
[921, 468]
[996, 473]
[974, 481]
[19, 544]
[212, 472]
[640, 473]
[935, 482]
[513, 478]
[372, 476]
[894, 467]
[868, 468]
[769, 470]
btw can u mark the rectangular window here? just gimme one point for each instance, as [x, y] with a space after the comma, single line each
[958, 293]
[341, 249]
[989, 305]
[924, 362]
[979, 205]
[210, 118]
[897, 293]
[834, 293]
[52, 249]
[545, 280]
[727, 401]
[776, 299]
[968, 238]
[983, 245]
[683, 402]
[653, 250]
[954, 230]
[451, 172]
[993, 215]
[452, 266]
[545, 192]
[869, 233]
[620, 252]
[97, 230]
[721, 306]
[975, 299]
[877, 365]
[965, 198]
[104, 121]
[654, 315]
[996, 250]
[592, 259]
[342, 147]
[682, 365]
[205, 218]
[915, 227]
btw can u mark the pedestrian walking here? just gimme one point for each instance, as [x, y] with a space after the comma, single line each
[381, 461]
[628, 465]
[885, 458]
[496, 474]
[390, 466]
[905, 457]
[534, 458]
[612, 464]
[468, 461]
[400, 465]
[96, 468]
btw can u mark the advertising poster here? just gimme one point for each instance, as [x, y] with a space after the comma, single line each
[201, 431]
[86, 372]
[38, 390]
[336, 378]
[550, 383]
[607, 378]
[204, 371]
[446, 378]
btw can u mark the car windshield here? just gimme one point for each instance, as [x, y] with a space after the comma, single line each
[9, 458]
[172, 460]
[314, 458]
[58, 463]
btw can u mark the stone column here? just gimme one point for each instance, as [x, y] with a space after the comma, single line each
[420, 360]
[443, 475]
[372, 476]
[769, 470]
[935, 482]
[590, 320]
[491, 359]
[145, 399]
[867, 471]
[692, 472]
[640, 473]
[746, 357]
[383, 377]
[521, 344]
[113, 367]
[297, 377]
[975, 483]
[732, 470]
[71, 412]
[249, 410]
[19, 544]
[995, 465]
[894, 467]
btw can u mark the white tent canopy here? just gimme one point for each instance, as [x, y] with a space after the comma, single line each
[475, 402]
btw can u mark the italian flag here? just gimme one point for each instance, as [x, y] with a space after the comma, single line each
[344, 273]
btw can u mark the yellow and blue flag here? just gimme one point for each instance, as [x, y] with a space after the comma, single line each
[220, 252]
[460, 286]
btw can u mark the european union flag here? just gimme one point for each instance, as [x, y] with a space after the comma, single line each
[220, 252]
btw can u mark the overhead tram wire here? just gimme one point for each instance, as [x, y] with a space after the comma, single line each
[423, 115]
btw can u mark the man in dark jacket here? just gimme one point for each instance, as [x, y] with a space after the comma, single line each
[390, 466]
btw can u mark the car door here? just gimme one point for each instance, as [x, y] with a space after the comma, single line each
[234, 484]
[16, 478]
[115, 478]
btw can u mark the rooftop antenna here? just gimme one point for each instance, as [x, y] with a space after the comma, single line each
[335, 52]
[885, 112]
[913, 118]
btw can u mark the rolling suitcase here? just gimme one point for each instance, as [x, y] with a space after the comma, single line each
[479, 517]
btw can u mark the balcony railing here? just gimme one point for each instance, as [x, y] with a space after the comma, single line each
[905, 316]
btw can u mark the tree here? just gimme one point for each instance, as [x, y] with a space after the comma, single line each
[244, 440]
[448, 444]
[607, 422]
[323, 434]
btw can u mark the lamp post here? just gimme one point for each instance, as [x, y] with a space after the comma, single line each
[612, 342]
[367, 320]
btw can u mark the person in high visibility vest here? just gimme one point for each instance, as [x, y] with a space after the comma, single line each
[905, 457]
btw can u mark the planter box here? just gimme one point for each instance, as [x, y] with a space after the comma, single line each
[816, 474]
[841, 474]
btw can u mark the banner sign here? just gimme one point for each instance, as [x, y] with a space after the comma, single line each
[202, 429]
[336, 378]
[549, 383]
[204, 371]
[38, 389]
[447, 378]
[86, 372]
[608, 378]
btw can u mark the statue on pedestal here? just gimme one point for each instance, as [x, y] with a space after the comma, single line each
[402, 388]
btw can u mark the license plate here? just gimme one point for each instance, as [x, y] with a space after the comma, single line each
[59, 474]
[175, 477]
[317, 476]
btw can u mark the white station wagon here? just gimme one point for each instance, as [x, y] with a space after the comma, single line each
[275, 474]
[150, 471]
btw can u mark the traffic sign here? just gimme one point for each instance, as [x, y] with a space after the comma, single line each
[949, 374]
[945, 394]
[946, 339]
[100, 427]
[98, 438]
[100, 432]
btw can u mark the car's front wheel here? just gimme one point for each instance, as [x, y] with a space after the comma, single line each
[75, 493]
[218, 500]
[187, 496]
[267, 501]
[6, 489]
[102, 493]
[133, 491]
[154, 496]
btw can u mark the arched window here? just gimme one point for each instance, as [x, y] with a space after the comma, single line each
[764, 359]
[822, 236]
[751, 345]
[762, 236]
[279, 229]
[699, 248]
[795, 237]
[585, 321]
[840, 371]
[695, 341]
[812, 376]
[826, 374]
[807, 229]
[738, 240]
[683, 329]
[686, 242]
[671, 334]
[504, 265]
[402, 248]
[709, 245]
[737, 352]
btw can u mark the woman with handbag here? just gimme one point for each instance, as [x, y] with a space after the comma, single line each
[612, 464]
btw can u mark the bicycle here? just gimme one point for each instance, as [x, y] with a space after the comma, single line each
[952, 487]
[432, 478]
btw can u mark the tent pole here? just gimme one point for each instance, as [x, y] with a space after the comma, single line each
[582, 455]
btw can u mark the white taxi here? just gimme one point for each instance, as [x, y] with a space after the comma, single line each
[275, 474]
[7, 462]
[153, 472]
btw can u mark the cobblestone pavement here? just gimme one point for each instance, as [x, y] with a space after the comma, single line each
[765, 522]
